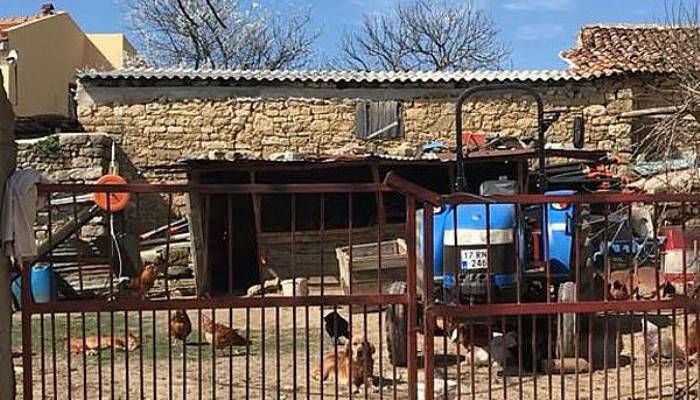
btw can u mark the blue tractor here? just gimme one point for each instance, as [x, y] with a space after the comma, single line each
[486, 252]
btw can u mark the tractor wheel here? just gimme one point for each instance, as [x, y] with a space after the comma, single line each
[566, 322]
[396, 323]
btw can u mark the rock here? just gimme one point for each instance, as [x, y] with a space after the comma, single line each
[269, 286]
[594, 110]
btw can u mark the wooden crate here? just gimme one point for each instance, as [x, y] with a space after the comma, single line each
[365, 264]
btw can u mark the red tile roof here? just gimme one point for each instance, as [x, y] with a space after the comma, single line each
[47, 9]
[632, 48]
[7, 23]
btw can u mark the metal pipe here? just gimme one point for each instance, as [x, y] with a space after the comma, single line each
[461, 180]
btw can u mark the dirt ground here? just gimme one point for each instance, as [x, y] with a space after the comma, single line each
[278, 353]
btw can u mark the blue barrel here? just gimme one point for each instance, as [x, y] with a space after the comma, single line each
[43, 285]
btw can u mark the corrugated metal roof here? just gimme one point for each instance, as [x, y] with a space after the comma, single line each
[328, 76]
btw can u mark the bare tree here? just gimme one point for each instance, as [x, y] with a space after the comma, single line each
[219, 34]
[669, 131]
[675, 49]
[425, 34]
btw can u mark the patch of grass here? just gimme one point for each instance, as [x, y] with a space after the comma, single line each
[118, 324]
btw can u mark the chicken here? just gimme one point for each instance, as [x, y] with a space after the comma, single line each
[337, 327]
[144, 279]
[180, 325]
[221, 336]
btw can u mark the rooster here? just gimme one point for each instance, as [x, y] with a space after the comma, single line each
[144, 279]
[180, 325]
[221, 336]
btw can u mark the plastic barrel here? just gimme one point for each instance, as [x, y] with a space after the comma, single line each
[43, 285]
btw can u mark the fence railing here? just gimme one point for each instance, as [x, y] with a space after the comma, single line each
[320, 290]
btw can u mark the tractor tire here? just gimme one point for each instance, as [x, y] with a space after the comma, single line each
[566, 326]
[396, 325]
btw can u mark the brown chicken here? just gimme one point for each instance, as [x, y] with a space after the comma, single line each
[221, 336]
[180, 325]
[144, 279]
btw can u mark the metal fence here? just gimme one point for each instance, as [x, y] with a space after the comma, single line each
[123, 338]
[617, 334]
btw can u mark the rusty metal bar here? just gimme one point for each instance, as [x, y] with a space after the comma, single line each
[429, 316]
[215, 188]
[292, 233]
[412, 285]
[28, 389]
[411, 190]
[126, 353]
[592, 198]
[485, 310]
[234, 302]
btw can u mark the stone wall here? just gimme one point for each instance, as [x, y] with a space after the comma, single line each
[156, 132]
[67, 157]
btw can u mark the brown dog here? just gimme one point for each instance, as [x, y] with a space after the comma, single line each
[354, 363]
[94, 344]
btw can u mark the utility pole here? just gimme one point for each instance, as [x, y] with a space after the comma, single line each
[8, 160]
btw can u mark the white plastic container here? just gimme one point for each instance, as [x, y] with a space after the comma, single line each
[302, 287]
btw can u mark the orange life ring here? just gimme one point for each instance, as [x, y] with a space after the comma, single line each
[117, 200]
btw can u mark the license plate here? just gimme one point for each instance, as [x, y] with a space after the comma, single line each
[474, 258]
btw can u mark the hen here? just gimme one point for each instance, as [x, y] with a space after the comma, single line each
[221, 336]
[180, 325]
[336, 326]
[144, 279]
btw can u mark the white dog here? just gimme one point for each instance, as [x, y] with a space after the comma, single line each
[498, 353]
[660, 347]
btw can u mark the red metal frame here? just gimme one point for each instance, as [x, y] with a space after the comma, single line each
[107, 307]
[433, 313]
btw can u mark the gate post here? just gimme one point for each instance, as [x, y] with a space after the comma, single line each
[8, 159]
[428, 322]
[411, 284]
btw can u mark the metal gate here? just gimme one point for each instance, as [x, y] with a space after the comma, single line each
[612, 329]
[121, 338]
[122, 334]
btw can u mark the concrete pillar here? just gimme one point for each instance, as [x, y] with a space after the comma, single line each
[8, 160]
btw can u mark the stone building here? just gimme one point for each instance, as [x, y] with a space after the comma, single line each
[162, 116]
[221, 126]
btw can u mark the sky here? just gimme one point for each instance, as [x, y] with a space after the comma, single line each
[535, 30]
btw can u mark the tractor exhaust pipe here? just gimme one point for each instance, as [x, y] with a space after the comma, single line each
[461, 179]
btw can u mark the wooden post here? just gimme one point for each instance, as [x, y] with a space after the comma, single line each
[381, 213]
[258, 230]
[196, 221]
[8, 159]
